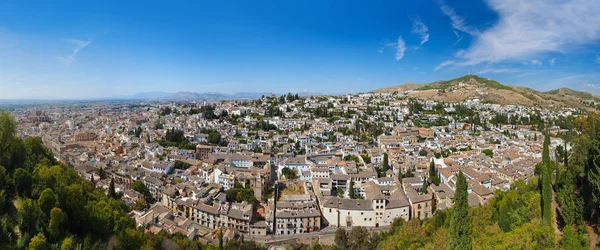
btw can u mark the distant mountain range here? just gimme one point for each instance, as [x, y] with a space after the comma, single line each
[209, 96]
[490, 91]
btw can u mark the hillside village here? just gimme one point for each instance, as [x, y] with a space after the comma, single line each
[283, 165]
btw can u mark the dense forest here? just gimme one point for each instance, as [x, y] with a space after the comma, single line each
[44, 204]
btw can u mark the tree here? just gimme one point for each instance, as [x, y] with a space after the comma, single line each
[358, 238]
[424, 185]
[102, 173]
[139, 204]
[546, 150]
[433, 174]
[289, 174]
[220, 236]
[488, 152]
[400, 176]
[38, 242]
[28, 215]
[57, 222]
[341, 238]
[111, 189]
[546, 183]
[460, 226]
[67, 244]
[7, 137]
[351, 189]
[47, 200]
[23, 181]
[386, 165]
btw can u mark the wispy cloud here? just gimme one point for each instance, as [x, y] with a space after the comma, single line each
[458, 22]
[591, 86]
[79, 45]
[399, 46]
[598, 58]
[552, 61]
[537, 63]
[421, 29]
[528, 29]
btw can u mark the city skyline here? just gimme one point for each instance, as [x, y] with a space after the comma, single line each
[75, 50]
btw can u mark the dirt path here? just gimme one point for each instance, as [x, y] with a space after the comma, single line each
[593, 236]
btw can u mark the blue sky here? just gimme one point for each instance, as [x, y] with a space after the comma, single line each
[85, 50]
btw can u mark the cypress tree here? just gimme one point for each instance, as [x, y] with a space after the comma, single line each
[386, 164]
[546, 182]
[111, 189]
[460, 226]
[546, 150]
[433, 174]
[351, 191]
[425, 185]
[400, 175]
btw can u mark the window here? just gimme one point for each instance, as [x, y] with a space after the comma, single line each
[330, 210]
[361, 213]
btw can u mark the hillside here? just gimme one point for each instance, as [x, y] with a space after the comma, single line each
[490, 91]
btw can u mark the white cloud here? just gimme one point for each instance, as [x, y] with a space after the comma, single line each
[79, 45]
[444, 64]
[593, 86]
[529, 28]
[552, 61]
[399, 46]
[458, 22]
[536, 63]
[598, 58]
[421, 29]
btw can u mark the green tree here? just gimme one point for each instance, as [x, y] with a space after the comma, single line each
[424, 185]
[67, 244]
[57, 222]
[7, 232]
[386, 163]
[7, 137]
[460, 226]
[47, 200]
[38, 242]
[546, 183]
[28, 215]
[23, 181]
[488, 152]
[546, 150]
[433, 174]
[111, 189]
[358, 238]
[341, 238]
[351, 189]
[400, 176]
